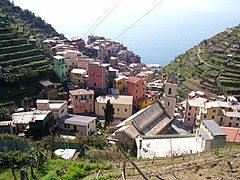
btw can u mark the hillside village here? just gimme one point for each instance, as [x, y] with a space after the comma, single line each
[108, 87]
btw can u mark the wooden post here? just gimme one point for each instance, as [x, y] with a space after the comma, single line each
[124, 170]
[126, 156]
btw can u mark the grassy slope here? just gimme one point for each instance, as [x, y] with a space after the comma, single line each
[212, 66]
[23, 64]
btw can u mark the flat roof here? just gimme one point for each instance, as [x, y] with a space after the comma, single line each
[168, 146]
[79, 71]
[59, 57]
[217, 104]
[115, 99]
[81, 92]
[76, 119]
[26, 117]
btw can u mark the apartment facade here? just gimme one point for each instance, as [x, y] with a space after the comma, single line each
[122, 105]
[60, 68]
[97, 76]
[136, 87]
[82, 101]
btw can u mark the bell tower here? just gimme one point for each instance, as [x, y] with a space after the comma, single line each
[169, 96]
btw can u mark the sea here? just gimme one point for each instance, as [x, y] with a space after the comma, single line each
[158, 31]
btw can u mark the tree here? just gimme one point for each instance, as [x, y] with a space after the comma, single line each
[109, 112]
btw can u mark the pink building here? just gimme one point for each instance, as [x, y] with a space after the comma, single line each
[232, 119]
[82, 101]
[97, 77]
[136, 87]
[192, 110]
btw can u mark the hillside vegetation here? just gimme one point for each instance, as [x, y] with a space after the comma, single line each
[23, 58]
[213, 66]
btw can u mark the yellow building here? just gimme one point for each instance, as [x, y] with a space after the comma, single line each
[146, 101]
[78, 76]
[210, 111]
[120, 83]
[122, 105]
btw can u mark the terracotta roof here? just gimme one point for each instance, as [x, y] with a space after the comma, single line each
[133, 79]
[233, 134]
[81, 92]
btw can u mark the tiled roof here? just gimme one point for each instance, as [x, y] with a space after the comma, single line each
[233, 134]
[212, 126]
[81, 92]
[148, 121]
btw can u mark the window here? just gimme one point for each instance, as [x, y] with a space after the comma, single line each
[189, 114]
[168, 103]
[188, 119]
[76, 97]
[65, 125]
[125, 109]
[94, 84]
[213, 117]
[137, 85]
[75, 128]
[205, 116]
[62, 111]
[231, 118]
[230, 124]
[68, 125]
[136, 91]
[236, 124]
[90, 96]
[117, 109]
[196, 108]
[238, 119]
[195, 115]
[62, 67]
[103, 108]
[65, 66]
[190, 108]
[143, 89]
[214, 111]
[221, 119]
[170, 91]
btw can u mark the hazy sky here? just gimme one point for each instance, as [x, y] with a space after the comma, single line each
[64, 14]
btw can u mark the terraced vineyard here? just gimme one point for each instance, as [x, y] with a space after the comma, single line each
[213, 66]
[23, 62]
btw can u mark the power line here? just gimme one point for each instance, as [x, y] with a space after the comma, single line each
[110, 9]
[111, 6]
[138, 19]
[105, 17]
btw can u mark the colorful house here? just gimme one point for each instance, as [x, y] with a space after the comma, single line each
[82, 101]
[147, 100]
[60, 68]
[120, 83]
[98, 76]
[122, 105]
[136, 87]
[192, 111]
[211, 110]
[79, 76]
